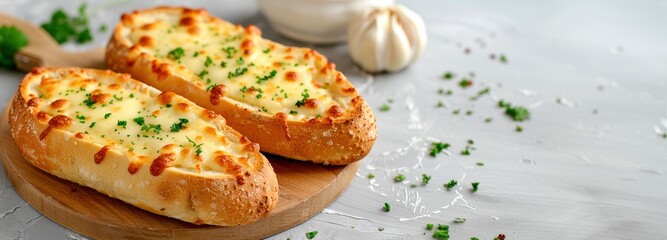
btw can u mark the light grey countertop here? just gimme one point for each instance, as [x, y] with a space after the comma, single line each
[589, 164]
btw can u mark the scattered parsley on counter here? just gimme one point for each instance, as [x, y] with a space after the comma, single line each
[425, 179]
[448, 75]
[399, 178]
[11, 41]
[664, 135]
[474, 238]
[481, 93]
[311, 235]
[459, 220]
[518, 128]
[465, 83]
[452, 183]
[469, 112]
[475, 186]
[370, 176]
[380, 229]
[517, 113]
[386, 207]
[63, 27]
[440, 104]
[384, 108]
[437, 147]
[429, 226]
[466, 151]
[488, 120]
[456, 111]
[176, 53]
[481, 164]
[102, 28]
[503, 58]
[442, 232]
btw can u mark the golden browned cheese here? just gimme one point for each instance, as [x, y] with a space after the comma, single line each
[130, 141]
[290, 100]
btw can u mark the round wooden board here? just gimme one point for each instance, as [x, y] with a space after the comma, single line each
[305, 189]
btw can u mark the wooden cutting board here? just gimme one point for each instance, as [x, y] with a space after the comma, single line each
[305, 189]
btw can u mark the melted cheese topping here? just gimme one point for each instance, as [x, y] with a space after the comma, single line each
[131, 118]
[256, 73]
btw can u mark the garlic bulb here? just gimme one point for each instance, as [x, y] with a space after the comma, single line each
[386, 38]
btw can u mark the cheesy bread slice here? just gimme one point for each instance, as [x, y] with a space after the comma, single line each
[155, 150]
[290, 100]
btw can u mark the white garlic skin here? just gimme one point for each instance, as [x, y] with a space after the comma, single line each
[386, 38]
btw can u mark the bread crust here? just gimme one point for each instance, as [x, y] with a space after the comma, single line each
[199, 199]
[334, 140]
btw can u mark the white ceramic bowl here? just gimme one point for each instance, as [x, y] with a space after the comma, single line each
[315, 21]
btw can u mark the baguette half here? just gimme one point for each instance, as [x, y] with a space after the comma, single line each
[290, 100]
[155, 150]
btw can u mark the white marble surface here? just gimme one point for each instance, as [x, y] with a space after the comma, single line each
[571, 174]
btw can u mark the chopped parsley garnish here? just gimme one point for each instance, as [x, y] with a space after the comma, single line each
[384, 108]
[292, 112]
[266, 50]
[244, 89]
[62, 27]
[452, 183]
[139, 121]
[370, 176]
[196, 54]
[311, 235]
[437, 147]
[92, 125]
[223, 64]
[208, 62]
[448, 75]
[465, 83]
[271, 75]
[11, 41]
[425, 179]
[237, 72]
[386, 207]
[106, 116]
[459, 220]
[240, 61]
[429, 226]
[122, 123]
[176, 54]
[82, 119]
[399, 177]
[475, 186]
[176, 127]
[156, 128]
[131, 95]
[89, 100]
[168, 105]
[230, 51]
[202, 73]
[305, 96]
[443, 227]
[197, 147]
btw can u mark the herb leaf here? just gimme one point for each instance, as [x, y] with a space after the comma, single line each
[11, 41]
[386, 207]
